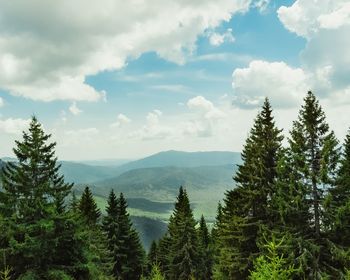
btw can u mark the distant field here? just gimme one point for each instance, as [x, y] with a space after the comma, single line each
[207, 208]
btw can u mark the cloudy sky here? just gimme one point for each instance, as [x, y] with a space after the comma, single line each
[125, 79]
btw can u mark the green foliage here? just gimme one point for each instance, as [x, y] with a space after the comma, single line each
[58, 275]
[88, 208]
[39, 233]
[6, 273]
[205, 261]
[272, 266]
[184, 258]
[122, 239]
[316, 155]
[156, 273]
[152, 256]
[247, 206]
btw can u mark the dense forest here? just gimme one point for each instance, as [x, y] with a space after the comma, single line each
[287, 215]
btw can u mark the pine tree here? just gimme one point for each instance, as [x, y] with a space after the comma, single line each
[184, 240]
[40, 235]
[88, 208]
[247, 206]
[152, 257]
[314, 153]
[312, 142]
[272, 265]
[337, 206]
[164, 254]
[123, 240]
[205, 251]
[74, 203]
[156, 273]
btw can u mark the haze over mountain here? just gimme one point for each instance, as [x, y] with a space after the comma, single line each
[98, 171]
[151, 184]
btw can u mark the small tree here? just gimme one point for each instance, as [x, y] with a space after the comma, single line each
[156, 274]
[88, 207]
[272, 266]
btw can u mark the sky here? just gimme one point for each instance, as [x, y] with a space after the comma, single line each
[126, 79]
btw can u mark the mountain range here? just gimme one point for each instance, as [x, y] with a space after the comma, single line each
[151, 184]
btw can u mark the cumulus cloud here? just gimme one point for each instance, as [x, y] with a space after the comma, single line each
[283, 84]
[121, 120]
[205, 119]
[153, 129]
[325, 60]
[307, 18]
[47, 49]
[326, 57]
[217, 39]
[13, 126]
[74, 109]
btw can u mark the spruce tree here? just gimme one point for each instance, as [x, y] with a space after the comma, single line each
[337, 206]
[156, 273]
[40, 234]
[205, 251]
[246, 207]
[184, 241]
[272, 265]
[88, 207]
[164, 254]
[316, 147]
[123, 240]
[315, 153]
[152, 256]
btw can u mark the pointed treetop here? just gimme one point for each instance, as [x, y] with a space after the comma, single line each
[88, 207]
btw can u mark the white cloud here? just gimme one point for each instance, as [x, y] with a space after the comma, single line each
[172, 88]
[206, 117]
[284, 85]
[306, 18]
[74, 109]
[14, 126]
[217, 39]
[326, 58]
[1, 102]
[153, 129]
[261, 5]
[121, 120]
[47, 49]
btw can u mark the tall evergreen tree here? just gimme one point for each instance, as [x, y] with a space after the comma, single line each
[41, 235]
[205, 251]
[88, 207]
[183, 239]
[247, 206]
[337, 206]
[164, 254]
[152, 256]
[306, 173]
[313, 142]
[123, 240]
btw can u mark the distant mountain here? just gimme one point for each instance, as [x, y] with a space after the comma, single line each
[162, 183]
[105, 162]
[82, 173]
[183, 159]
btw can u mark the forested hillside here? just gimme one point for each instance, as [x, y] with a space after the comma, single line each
[287, 216]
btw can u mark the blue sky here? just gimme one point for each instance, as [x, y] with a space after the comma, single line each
[126, 80]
